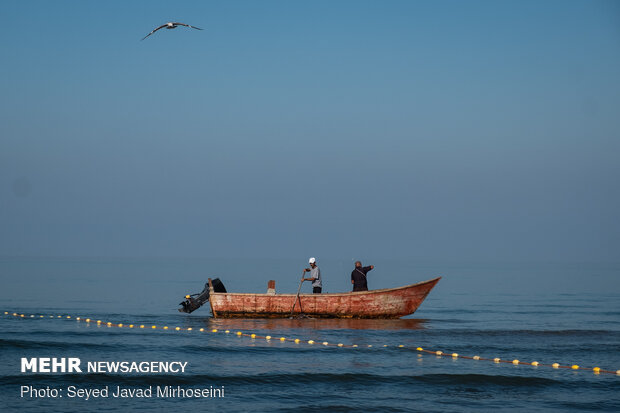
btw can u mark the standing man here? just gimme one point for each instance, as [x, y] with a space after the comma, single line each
[358, 277]
[315, 276]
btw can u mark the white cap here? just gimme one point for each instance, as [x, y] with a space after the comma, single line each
[312, 260]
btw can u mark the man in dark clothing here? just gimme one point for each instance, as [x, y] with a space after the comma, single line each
[358, 277]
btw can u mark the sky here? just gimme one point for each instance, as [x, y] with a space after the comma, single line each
[443, 130]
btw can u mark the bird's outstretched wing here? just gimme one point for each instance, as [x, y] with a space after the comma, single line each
[187, 25]
[160, 27]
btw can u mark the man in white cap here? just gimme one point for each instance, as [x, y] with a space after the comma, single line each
[315, 276]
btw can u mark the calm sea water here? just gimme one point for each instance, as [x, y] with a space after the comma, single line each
[563, 313]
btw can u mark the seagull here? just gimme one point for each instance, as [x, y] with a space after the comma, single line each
[171, 25]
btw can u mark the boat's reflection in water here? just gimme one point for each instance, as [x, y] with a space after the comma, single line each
[315, 323]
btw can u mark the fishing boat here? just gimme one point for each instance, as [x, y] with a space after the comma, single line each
[385, 303]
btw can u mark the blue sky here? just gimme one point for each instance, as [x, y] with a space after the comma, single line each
[448, 130]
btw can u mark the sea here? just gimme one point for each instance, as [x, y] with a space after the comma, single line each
[550, 312]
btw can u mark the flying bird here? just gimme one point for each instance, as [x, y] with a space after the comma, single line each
[171, 25]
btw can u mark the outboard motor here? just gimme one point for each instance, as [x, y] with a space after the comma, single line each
[195, 301]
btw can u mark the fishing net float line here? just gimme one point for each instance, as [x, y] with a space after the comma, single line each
[253, 336]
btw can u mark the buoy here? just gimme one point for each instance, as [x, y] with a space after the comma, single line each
[574, 367]
[401, 346]
[268, 338]
[153, 326]
[78, 319]
[109, 324]
[370, 345]
[202, 329]
[496, 359]
[227, 331]
[165, 327]
[297, 341]
[253, 335]
[596, 370]
[455, 355]
[535, 363]
[214, 330]
[88, 320]
[419, 349]
[354, 345]
[130, 325]
[239, 333]
[310, 341]
[555, 365]
[141, 325]
[98, 321]
[439, 353]
[120, 325]
[340, 344]
[325, 343]
[476, 357]
[177, 328]
[515, 361]
[189, 329]
[282, 338]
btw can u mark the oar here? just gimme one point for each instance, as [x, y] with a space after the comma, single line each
[298, 290]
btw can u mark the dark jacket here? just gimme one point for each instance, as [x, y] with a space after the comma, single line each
[358, 276]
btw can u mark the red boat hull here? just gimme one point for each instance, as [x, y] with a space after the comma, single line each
[386, 303]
